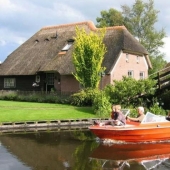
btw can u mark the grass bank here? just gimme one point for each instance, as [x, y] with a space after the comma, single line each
[11, 111]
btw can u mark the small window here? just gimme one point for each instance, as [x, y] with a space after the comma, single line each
[68, 45]
[9, 82]
[127, 57]
[137, 59]
[130, 73]
[50, 78]
[37, 78]
[141, 75]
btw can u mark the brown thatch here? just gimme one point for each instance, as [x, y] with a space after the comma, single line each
[42, 51]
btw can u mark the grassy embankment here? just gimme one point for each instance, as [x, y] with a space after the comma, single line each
[11, 111]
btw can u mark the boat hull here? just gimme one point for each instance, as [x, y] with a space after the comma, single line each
[134, 132]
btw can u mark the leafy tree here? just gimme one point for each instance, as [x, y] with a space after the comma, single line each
[88, 55]
[140, 20]
[110, 18]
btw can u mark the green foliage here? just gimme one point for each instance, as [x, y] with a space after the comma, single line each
[157, 109]
[110, 18]
[95, 98]
[158, 63]
[88, 54]
[102, 105]
[140, 20]
[34, 97]
[130, 92]
[84, 97]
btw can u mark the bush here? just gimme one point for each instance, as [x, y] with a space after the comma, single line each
[84, 98]
[131, 92]
[101, 105]
[34, 97]
[157, 109]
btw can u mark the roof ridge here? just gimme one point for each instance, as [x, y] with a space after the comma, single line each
[90, 24]
[116, 27]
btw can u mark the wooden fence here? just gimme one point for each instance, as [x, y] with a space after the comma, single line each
[163, 79]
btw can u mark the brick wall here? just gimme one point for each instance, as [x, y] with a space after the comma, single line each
[69, 84]
[123, 65]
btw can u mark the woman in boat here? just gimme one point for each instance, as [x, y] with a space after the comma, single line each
[117, 117]
[140, 116]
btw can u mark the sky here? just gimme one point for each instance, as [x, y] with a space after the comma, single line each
[21, 19]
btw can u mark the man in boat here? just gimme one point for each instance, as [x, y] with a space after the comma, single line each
[140, 116]
[117, 117]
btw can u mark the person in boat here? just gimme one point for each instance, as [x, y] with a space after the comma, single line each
[117, 117]
[139, 118]
[168, 116]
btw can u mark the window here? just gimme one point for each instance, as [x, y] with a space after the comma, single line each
[37, 78]
[137, 59]
[50, 78]
[130, 73]
[141, 75]
[9, 82]
[127, 57]
[68, 45]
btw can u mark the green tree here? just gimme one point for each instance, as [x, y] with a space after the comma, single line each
[140, 20]
[110, 18]
[88, 54]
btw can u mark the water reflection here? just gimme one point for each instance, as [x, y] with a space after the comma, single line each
[47, 150]
[132, 156]
[77, 150]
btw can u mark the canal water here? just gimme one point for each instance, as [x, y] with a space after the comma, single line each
[77, 150]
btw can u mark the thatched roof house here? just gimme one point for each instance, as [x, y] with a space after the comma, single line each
[47, 58]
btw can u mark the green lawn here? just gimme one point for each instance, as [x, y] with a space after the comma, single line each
[11, 111]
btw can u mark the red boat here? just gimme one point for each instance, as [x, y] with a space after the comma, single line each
[121, 155]
[152, 128]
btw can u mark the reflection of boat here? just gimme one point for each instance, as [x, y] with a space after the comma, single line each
[152, 128]
[147, 155]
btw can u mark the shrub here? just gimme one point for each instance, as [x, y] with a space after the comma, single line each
[101, 105]
[84, 97]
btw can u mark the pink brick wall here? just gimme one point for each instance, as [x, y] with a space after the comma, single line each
[123, 65]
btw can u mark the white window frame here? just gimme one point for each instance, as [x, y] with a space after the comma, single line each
[9, 82]
[141, 75]
[130, 73]
[67, 46]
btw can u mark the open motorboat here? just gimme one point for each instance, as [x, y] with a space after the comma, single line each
[132, 156]
[152, 128]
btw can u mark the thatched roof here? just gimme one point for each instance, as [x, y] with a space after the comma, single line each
[42, 52]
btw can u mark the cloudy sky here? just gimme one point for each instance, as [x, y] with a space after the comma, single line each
[20, 19]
